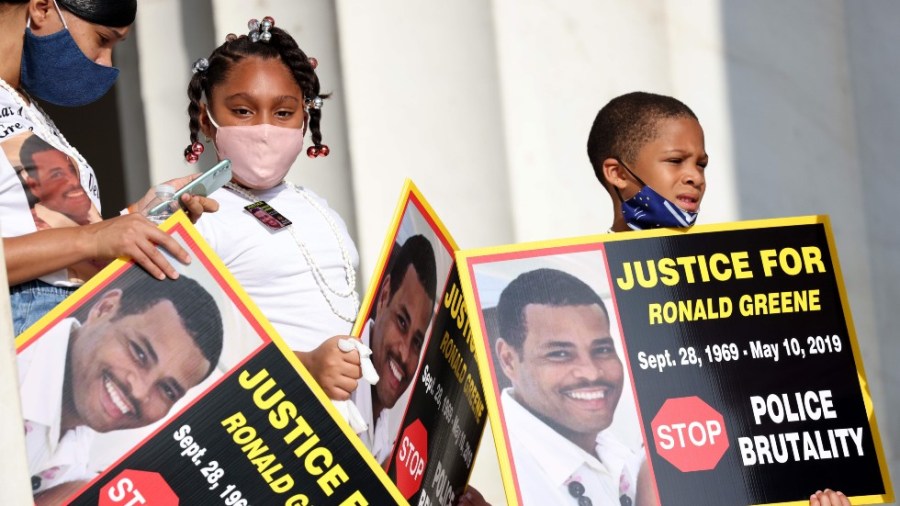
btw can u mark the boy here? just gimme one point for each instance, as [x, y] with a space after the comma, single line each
[648, 151]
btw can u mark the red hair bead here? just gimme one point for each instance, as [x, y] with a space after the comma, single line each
[312, 152]
[313, 62]
[197, 148]
[323, 150]
[190, 156]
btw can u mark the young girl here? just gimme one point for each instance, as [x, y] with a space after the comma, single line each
[54, 240]
[255, 98]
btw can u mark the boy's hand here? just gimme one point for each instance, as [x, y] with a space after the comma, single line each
[336, 371]
[828, 498]
[472, 497]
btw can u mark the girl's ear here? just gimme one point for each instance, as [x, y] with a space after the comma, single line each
[615, 175]
[206, 126]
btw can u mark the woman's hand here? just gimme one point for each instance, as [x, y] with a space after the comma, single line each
[31, 256]
[136, 237]
[336, 371]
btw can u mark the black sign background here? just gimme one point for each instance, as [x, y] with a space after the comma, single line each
[162, 452]
[442, 448]
[727, 386]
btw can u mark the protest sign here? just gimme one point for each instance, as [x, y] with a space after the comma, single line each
[427, 413]
[714, 366]
[136, 390]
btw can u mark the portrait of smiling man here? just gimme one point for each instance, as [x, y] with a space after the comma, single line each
[141, 346]
[396, 334]
[54, 181]
[556, 348]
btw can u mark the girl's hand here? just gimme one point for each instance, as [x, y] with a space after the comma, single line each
[336, 371]
[194, 205]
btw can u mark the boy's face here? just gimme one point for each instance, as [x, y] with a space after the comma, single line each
[672, 164]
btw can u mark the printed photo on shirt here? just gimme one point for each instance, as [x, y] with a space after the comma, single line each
[397, 325]
[53, 191]
[560, 377]
[52, 183]
[131, 352]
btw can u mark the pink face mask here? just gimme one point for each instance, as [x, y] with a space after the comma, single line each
[261, 155]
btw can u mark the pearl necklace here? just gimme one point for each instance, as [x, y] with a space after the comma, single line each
[324, 287]
[47, 130]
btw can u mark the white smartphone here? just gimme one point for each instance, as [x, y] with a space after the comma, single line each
[208, 182]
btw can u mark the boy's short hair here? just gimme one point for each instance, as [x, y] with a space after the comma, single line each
[626, 123]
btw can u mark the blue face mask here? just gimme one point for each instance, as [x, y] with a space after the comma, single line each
[648, 209]
[54, 69]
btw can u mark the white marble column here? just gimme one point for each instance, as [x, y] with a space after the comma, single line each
[423, 102]
[796, 136]
[171, 35]
[16, 487]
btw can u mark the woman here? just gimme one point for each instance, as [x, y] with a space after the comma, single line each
[54, 240]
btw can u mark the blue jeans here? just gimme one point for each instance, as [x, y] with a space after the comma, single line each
[32, 300]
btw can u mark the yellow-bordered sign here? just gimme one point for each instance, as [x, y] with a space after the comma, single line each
[186, 385]
[714, 366]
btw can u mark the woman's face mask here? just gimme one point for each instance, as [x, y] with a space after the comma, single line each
[56, 70]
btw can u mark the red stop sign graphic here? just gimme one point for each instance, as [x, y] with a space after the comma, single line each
[411, 458]
[137, 488]
[690, 434]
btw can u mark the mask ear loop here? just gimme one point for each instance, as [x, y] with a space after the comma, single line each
[61, 18]
[211, 120]
[58, 11]
[639, 180]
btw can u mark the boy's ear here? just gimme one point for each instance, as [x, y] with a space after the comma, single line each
[615, 175]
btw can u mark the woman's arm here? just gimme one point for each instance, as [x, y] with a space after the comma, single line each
[40, 253]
